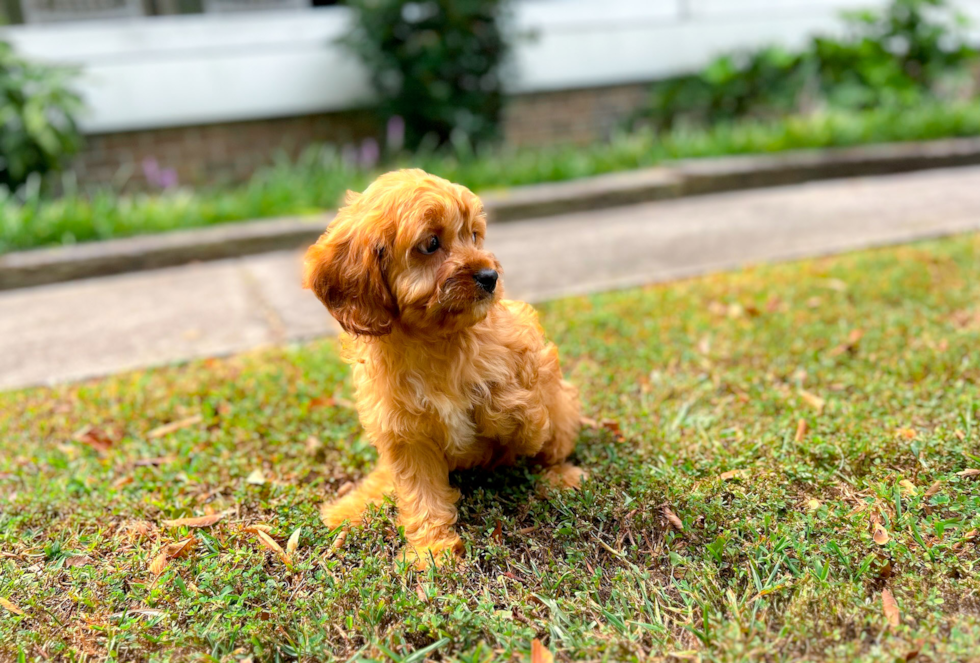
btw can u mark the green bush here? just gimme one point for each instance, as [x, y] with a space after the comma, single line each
[435, 65]
[904, 54]
[37, 118]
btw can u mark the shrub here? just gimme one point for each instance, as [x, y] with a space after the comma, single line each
[899, 56]
[37, 118]
[434, 64]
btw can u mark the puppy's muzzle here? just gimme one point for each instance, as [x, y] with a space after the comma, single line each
[486, 279]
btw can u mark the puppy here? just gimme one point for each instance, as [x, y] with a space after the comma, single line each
[448, 375]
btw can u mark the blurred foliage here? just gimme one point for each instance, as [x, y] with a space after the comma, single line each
[37, 118]
[318, 180]
[901, 55]
[435, 65]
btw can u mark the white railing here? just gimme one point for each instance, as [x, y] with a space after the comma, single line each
[180, 70]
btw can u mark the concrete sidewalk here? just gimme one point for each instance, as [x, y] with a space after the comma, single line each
[98, 326]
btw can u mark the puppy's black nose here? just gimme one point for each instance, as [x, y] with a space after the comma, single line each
[486, 279]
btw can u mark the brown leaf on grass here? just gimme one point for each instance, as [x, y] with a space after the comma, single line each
[11, 607]
[933, 489]
[913, 653]
[969, 474]
[419, 592]
[256, 478]
[199, 521]
[322, 401]
[77, 560]
[906, 433]
[908, 487]
[169, 552]
[95, 437]
[159, 460]
[813, 401]
[850, 345]
[801, 429]
[588, 422]
[539, 653]
[293, 542]
[258, 527]
[497, 534]
[890, 607]
[338, 542]
[730, 474]
[174, 426]
[673, 520]
[886, 570]
[880, 535]
[271, 544]
[612, 426]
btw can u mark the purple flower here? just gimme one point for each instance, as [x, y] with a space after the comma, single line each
[395, 138]
[162, 178]
[370, 153]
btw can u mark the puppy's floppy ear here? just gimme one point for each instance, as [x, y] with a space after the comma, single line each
[345, 269]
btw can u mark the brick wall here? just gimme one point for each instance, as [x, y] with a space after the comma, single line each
[230, 152]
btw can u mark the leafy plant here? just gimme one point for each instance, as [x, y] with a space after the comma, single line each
[38, 131]
[435, 64]
[898, 56]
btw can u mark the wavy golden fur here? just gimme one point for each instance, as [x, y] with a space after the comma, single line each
[448, 375]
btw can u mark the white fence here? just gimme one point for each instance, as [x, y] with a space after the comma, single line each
[171, 71]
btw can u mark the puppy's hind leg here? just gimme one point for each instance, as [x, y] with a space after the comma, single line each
[565, 422]
[351, 507]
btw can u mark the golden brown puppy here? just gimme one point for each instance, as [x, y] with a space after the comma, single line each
[448, 374]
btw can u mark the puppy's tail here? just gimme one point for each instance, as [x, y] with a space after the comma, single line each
[351, 507]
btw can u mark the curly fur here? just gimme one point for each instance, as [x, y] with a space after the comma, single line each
[447, 376]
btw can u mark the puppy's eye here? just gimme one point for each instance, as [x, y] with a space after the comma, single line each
[475, 238]
[429, 246]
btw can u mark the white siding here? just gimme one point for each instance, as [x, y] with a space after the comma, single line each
[169, 71]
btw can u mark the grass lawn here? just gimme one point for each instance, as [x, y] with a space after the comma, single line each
[714, 527]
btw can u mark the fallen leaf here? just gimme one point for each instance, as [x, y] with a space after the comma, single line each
[338, 542]
[256, 478]
[813, 401]
[880, 535]
[913, 653]
[419, 592]
[612, 426]
[200, 521]
[258, 527]
[801, 429]
[886, 569]
[160, 460]
[497, 534]
[293, 542]
[906, 433]
[730, 474]
[94, 437]
[908, 487]
[850, 344]
[11, 607]
[972, 472]
[813, 504]
[539, 654]
[169, 552]
[673, 520]
[322, 401]
[588, 422]
[344, 489]
[890, 608]
[77, 560]
[933, 489]
[122, 482]
[174, 426]
[271, 544]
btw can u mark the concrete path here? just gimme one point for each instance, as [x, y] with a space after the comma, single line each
[98, 326]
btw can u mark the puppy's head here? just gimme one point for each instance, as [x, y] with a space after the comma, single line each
[407, 251]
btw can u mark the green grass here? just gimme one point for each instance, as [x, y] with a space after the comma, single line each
[318, 180]
[704, 378]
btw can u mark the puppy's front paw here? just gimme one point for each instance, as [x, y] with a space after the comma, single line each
[334, 514]
[422, 556]
[562, 477]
